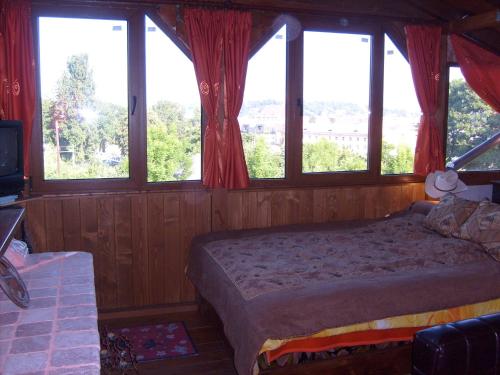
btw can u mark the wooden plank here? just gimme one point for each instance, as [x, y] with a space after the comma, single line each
[156, 245]
[54, 225]
[140, 253]
[106, 250]
[369, 197]
[235, 212]
[123, 245]
[71, 219]
[174, 256]
[89, 233]
[303, 206]
[188, 230]
[219, 210]
[35, 225]
[476, 22]
[349, 204]
[264, 208]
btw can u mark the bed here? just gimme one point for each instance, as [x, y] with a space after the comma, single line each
[308, 287]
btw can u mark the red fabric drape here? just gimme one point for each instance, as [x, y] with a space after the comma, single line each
[423, 44]
[238, 27]
[481, 70]
[17, 68]
[205, 30]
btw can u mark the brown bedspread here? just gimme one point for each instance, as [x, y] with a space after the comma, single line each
[295, 281]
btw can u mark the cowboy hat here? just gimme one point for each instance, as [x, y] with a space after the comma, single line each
[439, 183]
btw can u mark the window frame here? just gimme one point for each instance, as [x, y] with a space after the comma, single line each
[294, 177]
[469, 177]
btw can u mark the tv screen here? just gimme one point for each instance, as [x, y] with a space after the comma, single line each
[9, 163]
[11, 157]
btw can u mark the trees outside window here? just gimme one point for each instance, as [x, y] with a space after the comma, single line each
[470, 122]
[174, 110]
[84, 100]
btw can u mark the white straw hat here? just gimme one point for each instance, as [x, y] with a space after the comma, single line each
[440, 183]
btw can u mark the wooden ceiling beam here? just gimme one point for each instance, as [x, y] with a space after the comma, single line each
[485, 20]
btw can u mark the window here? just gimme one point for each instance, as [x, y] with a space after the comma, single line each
[83, 74]
[401, 113]
[470, 122]
[336, 101]
[173, 110]
[262, 116]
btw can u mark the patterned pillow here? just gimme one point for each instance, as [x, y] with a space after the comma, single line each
[449, 214]
[483, 227]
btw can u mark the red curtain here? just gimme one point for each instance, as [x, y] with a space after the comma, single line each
[238, 27]
[212, 35]
[423, 44]
[205, 30]
[17, 68]
[481, 70]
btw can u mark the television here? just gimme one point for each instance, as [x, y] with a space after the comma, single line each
[11, 157]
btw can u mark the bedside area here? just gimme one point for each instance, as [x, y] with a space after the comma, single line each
[57, 333]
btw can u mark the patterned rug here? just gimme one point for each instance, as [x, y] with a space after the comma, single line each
[160, 341]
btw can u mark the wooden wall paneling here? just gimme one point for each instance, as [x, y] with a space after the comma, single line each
[302, 206]
[391, 198]
[219, 210]
[370, 201]
[188, 230]
[54, 225]
[174, 257]
[35, 225]
[203, 212]
[71, 224]
[323, 205]
[156, 245]
[123, 249]
[235, 211]
[349, 203]
[264, 208]
[140, 253]
[256, 211]
[89, 233]
[106, 251]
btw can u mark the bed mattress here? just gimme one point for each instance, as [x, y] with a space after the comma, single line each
[278, 284]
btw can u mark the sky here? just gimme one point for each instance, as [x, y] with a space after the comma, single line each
[170, 75]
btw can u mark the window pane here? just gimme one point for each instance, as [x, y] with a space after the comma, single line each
[401, 113]
[83, 74]
[174, 110]
[262, 116]
[336, 102]
[489, 161]
[470, 122]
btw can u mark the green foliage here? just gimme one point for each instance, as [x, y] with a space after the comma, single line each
[470, 122]
[70, 170]
[326, 156]
[112, 126]
[173, 140]
[75, 94]
[261, 161]
[396, 159]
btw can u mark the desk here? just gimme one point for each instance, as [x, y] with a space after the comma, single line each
[57, 333]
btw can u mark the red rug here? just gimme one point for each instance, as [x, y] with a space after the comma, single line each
[160, 341]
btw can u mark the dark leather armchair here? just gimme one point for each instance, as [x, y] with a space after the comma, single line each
[467, 347]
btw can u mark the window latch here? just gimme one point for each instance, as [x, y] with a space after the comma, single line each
[134, 104]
